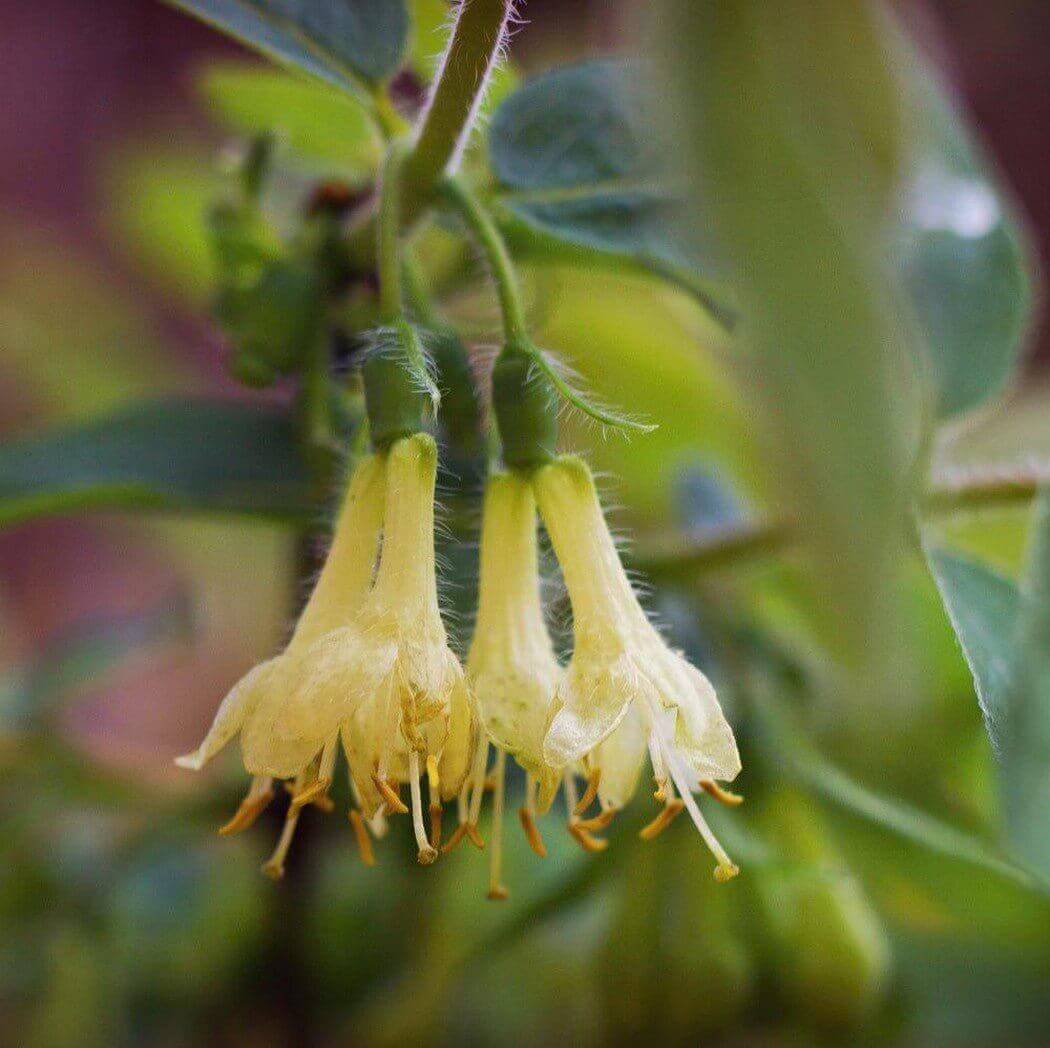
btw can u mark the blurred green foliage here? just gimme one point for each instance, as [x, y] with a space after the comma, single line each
[815, 270]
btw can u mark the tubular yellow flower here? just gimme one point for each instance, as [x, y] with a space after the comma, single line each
[287, 710]
[407, 708]
[512, 668]
[624, 690]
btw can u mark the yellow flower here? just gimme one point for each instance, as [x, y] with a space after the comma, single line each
[408, 711]
[624, 690]
[512, 668]
[288, 709]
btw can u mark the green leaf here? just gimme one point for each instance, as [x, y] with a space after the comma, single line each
[341, 41]
[206, 456]
[1005, 634]
[804, 764]
[961, 257]
[577, 161]
[315, 120]
[792, 160]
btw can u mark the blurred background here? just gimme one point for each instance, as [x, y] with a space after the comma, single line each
[122, 918]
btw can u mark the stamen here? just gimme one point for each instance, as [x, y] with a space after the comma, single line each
[434, 786]
[569, 785]
[427, 853]
[726, 868]
[497, 891]
[394, 804]
[593, 781]
[586, 841]
[601, 821]
[259, 795]
[274, 865]
[364, 842]
[475, 837]
[712, 789]
[671, 810]
[532, 833]
[457, 835]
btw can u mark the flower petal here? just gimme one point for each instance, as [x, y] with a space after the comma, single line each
[703, 737]
[239, 703]
[621, 759]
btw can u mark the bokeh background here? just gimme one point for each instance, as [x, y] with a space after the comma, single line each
[120, 920]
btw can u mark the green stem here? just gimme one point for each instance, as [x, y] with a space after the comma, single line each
[945, 497]
[389, 233]
[501, 268]
[456, 98]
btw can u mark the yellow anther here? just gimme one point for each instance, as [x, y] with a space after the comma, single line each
[314, 794]
[498, 894]
[670, 812]
[364, 841]
[394, 804]
[601, 821]
[586, 840]
[712, 789]
[532, 833]
[725, 872]
[457, 835]
[590, 793]
[253, 805]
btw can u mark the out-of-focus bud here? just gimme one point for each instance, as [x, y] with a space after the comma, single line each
[829, 952]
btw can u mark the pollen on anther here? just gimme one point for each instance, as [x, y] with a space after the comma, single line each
[724, 796]
[670, 812]
[586, 840]
[593, 782]
[532, 832]
[394, 804]
[364, 841]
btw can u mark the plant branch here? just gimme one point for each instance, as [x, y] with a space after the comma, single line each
[947, 495]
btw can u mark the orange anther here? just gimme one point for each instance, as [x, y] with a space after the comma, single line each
[394, 803]
[712, 789]
[364, 841]
[590, 793]
[586, 840]
[662, 821]
[250, 809]
[532, 833]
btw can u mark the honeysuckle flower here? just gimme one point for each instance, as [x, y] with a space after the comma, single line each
[288, 709]
[624, 690]
[511, 667]
[407, 711]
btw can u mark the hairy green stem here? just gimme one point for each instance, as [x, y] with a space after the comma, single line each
[488, 237]
[455, 100]
[389, 233]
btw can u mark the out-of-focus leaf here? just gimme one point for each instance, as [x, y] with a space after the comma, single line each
[577, 161]
[73, 345]
[315, 120]
[341, 41]
[805, 765]
[206, 456]
[982, 606]
[1005, 634]
[159, 200]
[78, 656]
[602, 325]
[794, 161]
[960, 256]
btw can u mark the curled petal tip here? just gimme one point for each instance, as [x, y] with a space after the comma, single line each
[191, 761]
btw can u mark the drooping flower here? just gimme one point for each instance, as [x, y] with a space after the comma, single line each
[407, 710]
[624, 690]
[288, 709]
[511, 667]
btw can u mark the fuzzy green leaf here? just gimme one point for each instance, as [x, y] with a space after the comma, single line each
[205, 456]
[341, 41]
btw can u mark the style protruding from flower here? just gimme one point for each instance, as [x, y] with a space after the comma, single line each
[511, 667]
[625, 691]
[288, 710]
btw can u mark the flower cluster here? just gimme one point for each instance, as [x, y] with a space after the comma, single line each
[369, 665]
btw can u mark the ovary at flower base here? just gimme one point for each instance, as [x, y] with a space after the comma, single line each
[411, 712]
[511, 667]
[286, 710]
[625, 692]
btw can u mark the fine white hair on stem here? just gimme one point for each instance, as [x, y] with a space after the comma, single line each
[493, 60]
